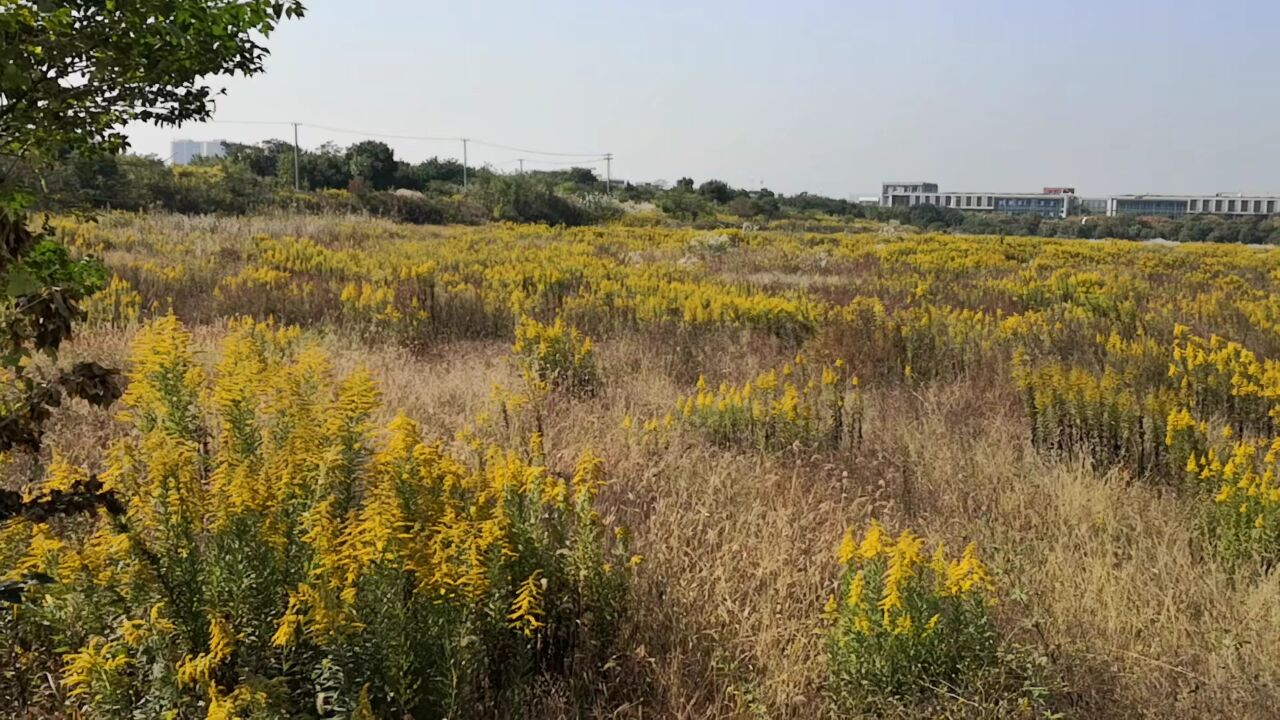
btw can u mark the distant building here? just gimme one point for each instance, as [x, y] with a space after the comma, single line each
[1180, 205]
[183, 152]
[1092, 205]
[1051, 202]
[891, 193]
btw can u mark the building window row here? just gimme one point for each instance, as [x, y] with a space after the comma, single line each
[1219, 205]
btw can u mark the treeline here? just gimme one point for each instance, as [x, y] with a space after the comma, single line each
[689, 201]
[365, 177]
[368, 177]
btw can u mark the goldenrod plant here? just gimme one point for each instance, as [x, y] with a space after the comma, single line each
[797, 403]
[280, 553]
[556, 357]
[910, 633]
[905, 620]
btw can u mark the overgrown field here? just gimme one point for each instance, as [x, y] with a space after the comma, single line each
[374, 470]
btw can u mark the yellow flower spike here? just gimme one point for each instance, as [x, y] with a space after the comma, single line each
[198, 670]
[829, 608]
[931, 625]
[526, 610]
[872, 542]
[848, 548]
[853, 598]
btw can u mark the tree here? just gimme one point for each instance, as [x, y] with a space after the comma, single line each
[262, 159]
[373, 162]
[72, 75]
[717, 191]
[684, 183]
[524, 198]
[684, 205]
[75, 72]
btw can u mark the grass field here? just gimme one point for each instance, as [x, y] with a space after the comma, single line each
[1096, 418]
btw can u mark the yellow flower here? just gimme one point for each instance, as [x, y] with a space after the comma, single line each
[198, 670]
[873, 542]
[526, 611]
[848, 548]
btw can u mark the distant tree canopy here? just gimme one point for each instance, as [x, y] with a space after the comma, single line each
[717, 191]
[373, 162]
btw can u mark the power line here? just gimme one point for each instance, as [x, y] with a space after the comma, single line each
[582, 158]
[389, 136]
[534, 152]
[586, 161]
[249, 122]
[398, 136]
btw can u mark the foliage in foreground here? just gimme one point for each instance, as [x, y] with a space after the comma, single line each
[279, 556]
[909, 626]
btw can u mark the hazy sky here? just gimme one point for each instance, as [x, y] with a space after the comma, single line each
[831, 97]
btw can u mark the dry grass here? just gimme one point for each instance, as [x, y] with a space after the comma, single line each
[1105, 580]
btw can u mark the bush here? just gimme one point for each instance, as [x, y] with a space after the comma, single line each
[277, 558]
[118, 305]
[556, 357]
[799, 403]
[517, 198]
[904, 624]
[404, 207]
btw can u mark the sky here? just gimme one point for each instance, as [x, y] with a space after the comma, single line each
[831, 97]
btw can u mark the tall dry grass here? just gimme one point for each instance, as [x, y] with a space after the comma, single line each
[1106, 583]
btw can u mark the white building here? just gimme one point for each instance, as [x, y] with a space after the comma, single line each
[1180, 205]
[1051, 202]
[182, 152]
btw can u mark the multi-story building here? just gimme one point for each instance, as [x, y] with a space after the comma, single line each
[892, 193]
[184, 151]
[1180, 205]
[1092, 205]
[1050, 202]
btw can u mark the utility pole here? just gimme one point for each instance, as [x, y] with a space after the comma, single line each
[296, 174]
[464, 163]
[521, 166]
[608, 173]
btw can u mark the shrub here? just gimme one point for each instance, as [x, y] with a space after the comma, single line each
[118, 305]
[398, 310]
[905, 623]
[799, 403]
[278, 558]
[1241, 508]
[556, 357]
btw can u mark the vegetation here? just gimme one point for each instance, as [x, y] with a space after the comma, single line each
[905, 621]
[1091, 426]
[276, 555]
[74, 74]
[367, 177]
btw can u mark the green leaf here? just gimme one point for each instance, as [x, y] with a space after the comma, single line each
[21, 282]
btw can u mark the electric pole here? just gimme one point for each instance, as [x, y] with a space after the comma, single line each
[521, 166]
[464, 163]
[296, 174]
[608, 173]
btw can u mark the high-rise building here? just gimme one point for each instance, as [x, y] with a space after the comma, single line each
[182, 152]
